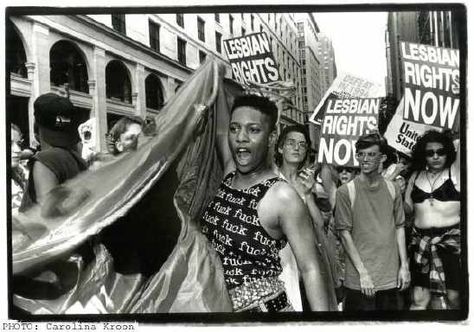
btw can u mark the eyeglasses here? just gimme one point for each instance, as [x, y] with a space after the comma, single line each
[293, 144]
[439, 152]
[370, 155]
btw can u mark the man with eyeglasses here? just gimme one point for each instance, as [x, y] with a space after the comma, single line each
[370, 219]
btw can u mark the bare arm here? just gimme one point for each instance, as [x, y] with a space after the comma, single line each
[328, 183]
[366, 284]
[403, 273]
[44, 180]
[296, 225]
[408, 204]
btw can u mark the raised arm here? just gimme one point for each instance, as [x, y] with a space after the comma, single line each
[296, 225]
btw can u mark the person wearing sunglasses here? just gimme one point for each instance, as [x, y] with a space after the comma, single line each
[433, 196]
[370, 222]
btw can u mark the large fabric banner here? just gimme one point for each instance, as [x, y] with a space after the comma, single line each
[431, 85]
[190, 278]
[251, 59]
[344, 121]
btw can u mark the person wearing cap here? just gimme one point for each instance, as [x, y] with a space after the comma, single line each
[58, 160]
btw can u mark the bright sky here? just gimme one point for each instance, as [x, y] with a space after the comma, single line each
[358, 39]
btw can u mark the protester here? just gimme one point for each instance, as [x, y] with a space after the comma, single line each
[58, 159]
[253, 215]
[370, 218]
[433, 194]
[19, 172]
[57, 162]
[124, 134]
[291, 154]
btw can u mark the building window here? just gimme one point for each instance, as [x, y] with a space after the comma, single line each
[201, 29]
[202, 56]
[118, 22]
[182, 51]
[252, 22]
[180, 20]
[154, 30]
[243, 31]
[231, 24]
[218, 42]
[217, 17]
[153, 92]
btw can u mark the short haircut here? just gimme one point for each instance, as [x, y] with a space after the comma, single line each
[118, 129]
[281, 140]
[432, 136]
[371, 139]
[260, 103]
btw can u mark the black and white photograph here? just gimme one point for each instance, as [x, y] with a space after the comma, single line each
[234, 163]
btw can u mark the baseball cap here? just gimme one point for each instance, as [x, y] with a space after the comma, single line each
[56, 119]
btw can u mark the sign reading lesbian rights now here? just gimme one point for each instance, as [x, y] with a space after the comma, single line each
[431, 85]
[251, 59]
[345, 120]
[431, 95]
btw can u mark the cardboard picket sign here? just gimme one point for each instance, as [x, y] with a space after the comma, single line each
[251, 59]
[345, 120]
[403, 134]
[346, 85]
[431, 85]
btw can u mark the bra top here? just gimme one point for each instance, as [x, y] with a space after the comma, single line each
[445, 193]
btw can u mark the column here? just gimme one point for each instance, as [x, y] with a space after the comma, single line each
[98, 93]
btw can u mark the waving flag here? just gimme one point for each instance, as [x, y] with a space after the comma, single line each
[190, 279]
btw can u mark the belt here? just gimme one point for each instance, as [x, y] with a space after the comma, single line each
[271, 305]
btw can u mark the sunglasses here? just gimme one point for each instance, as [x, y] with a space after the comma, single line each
[342, 169]
[439, 152]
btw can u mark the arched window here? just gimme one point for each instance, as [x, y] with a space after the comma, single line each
[117, 82]
[67, 65]
[15, 52]
[153, 92]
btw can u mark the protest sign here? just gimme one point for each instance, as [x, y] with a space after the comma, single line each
[346, 86]
[431, 85]
[251, 59]
[344, 121]
[402, 134]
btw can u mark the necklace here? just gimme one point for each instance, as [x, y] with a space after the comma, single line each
[431, 198]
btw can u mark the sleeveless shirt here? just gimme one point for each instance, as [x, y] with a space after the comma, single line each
[231, 224]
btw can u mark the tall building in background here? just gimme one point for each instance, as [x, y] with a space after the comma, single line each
[311, 65]
[437, 28]
[328, 58]
[130, 64]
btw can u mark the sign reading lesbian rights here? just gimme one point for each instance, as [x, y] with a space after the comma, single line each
[344, 121]
[431, 85]
[347, 86]
[251, 58]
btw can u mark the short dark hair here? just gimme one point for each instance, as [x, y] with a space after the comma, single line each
[118, 129]
[281, 140]
[262, 104]
[432, 136]
[371, 139]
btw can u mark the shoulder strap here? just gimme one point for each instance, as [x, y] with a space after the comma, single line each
[352, 191]
[391, 188]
